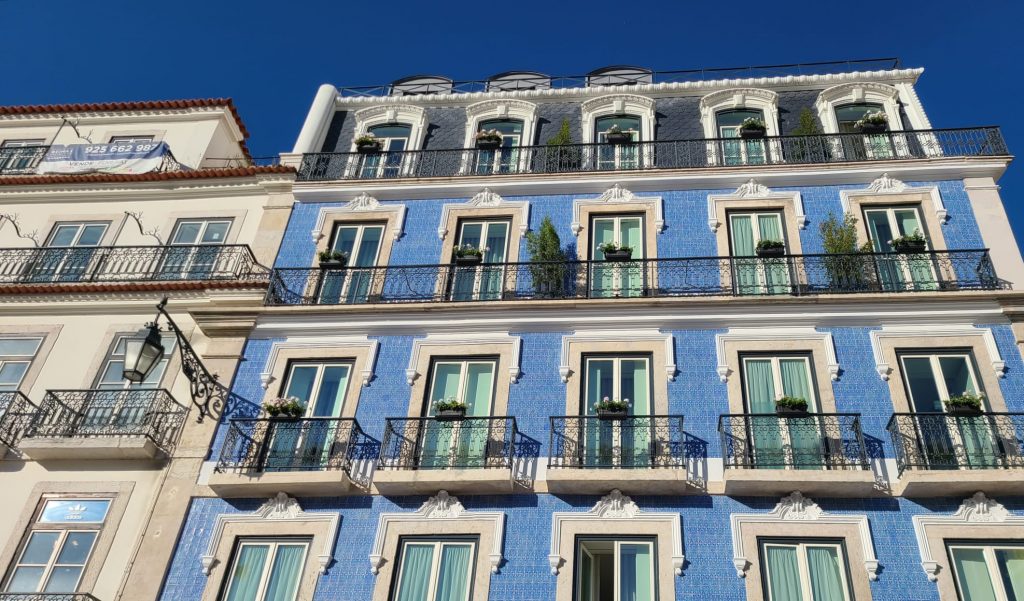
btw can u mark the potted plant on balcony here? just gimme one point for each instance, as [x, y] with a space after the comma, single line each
[332, 259]
[874, 122]
[368, 144]
[788, 405]
[450, 408]
[770, 248]
[849, 266]
[752, 128]
[467, 254]
[287, 407]
[912, 243]
[488, 139]
[612, 408]
[614, 252]
[560, 154]
[616, 135]
[548, 267]
[966, 404]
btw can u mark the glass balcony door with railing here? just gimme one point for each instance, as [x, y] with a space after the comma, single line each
[352, 284]
[753, 274]
[505, 158]
[735, 150]
[613, 279]
[613, 156]
[459, 443]
[194, 251]
[866, 146]
[483, 281]
[899, 271]
[70, 252]
[615, 570]
[617, 442]
[388, 163]
[948, 441]
[778, 442]
[307, 443]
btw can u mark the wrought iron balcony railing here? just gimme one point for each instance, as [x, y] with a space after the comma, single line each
[655, 155]
[290, 444]
[832, 441]
[130, 413]
[47, 597]
[16, 414]
[797, 275]
[629, 442]
[21, 160]
[194, 263]
[944, 441]
[462, 443]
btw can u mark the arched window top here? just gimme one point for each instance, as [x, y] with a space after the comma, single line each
[738, 104]
[510, 117]
[847, 115]
[618, 106]
[855, 96]
[395, 122]
[507, 127]
[627, 123]
[733, 117]
[391, 130]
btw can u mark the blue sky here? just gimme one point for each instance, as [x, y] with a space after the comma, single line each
[271, 56]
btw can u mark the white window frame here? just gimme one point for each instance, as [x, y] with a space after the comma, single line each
[617, 562]
[812, 403]
[131, 139]
[204, 224]
[268, 566]
[805, 573]
[514, 110]
[478, 270]
[81, 225]
[513, 162]
[386, 142]
[989, 552]
[761, 265]
[360, 230]
[25, 360]
[890, 215]
[617, 230]
[744, 156]
[112, 355]
[616, 375]
[940, 381]
[413, 116]
[463, 379]
[435, 565]
[321, 367]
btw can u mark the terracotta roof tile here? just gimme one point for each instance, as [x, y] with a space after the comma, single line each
[155, 176]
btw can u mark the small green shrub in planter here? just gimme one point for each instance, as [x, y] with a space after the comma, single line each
[966, 403]
[770, 248]
[367, 144]
[547, 261]
[332, 258]
[872, 123]
[614, 252]
[790, 405]
[616, 135]
[467, 254]
[752, 127]
[912, 243]
[449, 408]
[612, 408]
[488, 139]
[284, 407]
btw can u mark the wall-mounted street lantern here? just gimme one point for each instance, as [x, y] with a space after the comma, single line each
[144, 352]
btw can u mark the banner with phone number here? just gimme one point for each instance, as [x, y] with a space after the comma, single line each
[127, 157]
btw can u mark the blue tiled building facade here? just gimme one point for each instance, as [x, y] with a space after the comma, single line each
[880, 491]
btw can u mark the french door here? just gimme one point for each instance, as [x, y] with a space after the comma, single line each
[440, 570]
[194, 248]
[309, 443]
[752, 274]
[459, 443]
[735, 150]
[988, 572]
[899, 271]
[70, 252]
[266, 570]
[618, 156]
[615, 570]
[805, 571]
[486, 280]
[781, 442]
[388, 163]
[354, 283]
[617, 442]
[505, 158]
[617, 279]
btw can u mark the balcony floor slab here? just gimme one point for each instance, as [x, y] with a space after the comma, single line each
[481, 481]
[823, 483]
[944, 483]
[296, 483]
[658, 481]
[90, 448]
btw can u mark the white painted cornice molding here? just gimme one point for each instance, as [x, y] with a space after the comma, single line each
[754, 190]
[360, 204]
[617, 336]
[277, 509]
[328, 343]
[885, 185]
[781, 334]
[439, 508]
[978, 512]
[797, 508]
[485, 199]
[448, 342]
[618, 194]
[933, 331]
[616, 509]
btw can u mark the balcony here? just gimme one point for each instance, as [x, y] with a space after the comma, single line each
[656, 155]
[21, 160]
[768, 454]
[16, 414]
[309, 456]
[791, 275]
[104, 424]
[638, 454]
[47, 597]
[942, 454]
[425, 454]
[26, 267]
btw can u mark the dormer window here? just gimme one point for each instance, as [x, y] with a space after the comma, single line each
[865, 118]
[391, 139]
[618, 135]
[497, 142]
[735, 150]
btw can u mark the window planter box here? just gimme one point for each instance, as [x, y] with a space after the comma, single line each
[873, 128]
[786, 411]
[771, 252]
[910, 247]
[752, 133]
[469, 260]
[332, 264]
[619, 138]
[963, 410]
[368, 148]
[488, 144]
[611, 414]
[450, 414]
[617, 256]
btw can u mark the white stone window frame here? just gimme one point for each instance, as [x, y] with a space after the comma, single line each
[618, 194]
[787, 333]
[518, 110]
[862, 92]
[568, 340]
[616, 508]
[884, 185]
[486, 199]
[278, 509]
[757, 99]
[797, 508]
[753, 190]
[360, 204]
[978, 512]
[332, 344]
[413, 116]
[934, 331]
[439, 508]
[463, 341]
[618, 104]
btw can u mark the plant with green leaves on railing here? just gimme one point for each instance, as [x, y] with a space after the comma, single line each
[449, 404]
[912, 242]
[332, 256]
[753, 127]
[547, 267]
[966, 400]
[561, 155]
[611, 247]
[791, 402]
[468, 250]
[367, 138]
[769, 244]
[284, 407]
[847, 268]
[612, 405]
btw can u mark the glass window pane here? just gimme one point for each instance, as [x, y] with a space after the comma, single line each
[331, 397]
[63, 235]
[972, 575]
[956, 373]
[414, 582]
[11, 373]
[472, 234]
[1011, 569]
[368, 247]
[760, 385]
[635, 573]
[742, 230]
[245, 580]
[735, 118]
[783, 573]
[216, 232]
[19, 347]
[479, 384]
[284, 576]
[391, 131]
[75, 510]
[453, 576]
[770, 226]
[300, 383]
[879, 230]
[600, 379]
[446, 383]
[25, 580]
[188, 233]
[504, 126]
[630, 234]
[826, 573]
[92, 235]
[917, 371]
[345, 239]
[77, 546]
[625, 123]
[497, 241]
[63, 579]
[907, 221]
[39, 548]
[634, 385]
[604, 232]
[796, 381]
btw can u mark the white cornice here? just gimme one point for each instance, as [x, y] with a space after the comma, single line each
[796, 508]
[453, 342]
[107, 118]
[754, 190]
[779, 334]
[952, 330]
[223, 187]
[333, 343]
[789, 82]
[617, 336]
